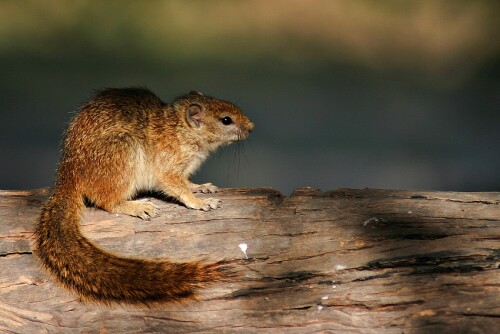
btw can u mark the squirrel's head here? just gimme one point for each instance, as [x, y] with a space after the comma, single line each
[216, 121]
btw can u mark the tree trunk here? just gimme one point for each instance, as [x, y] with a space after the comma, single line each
[347, 261]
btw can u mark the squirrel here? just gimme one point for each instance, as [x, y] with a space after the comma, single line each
[121, 142]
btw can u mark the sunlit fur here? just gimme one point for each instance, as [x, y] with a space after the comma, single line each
[121, 142]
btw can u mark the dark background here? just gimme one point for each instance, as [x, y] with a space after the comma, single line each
[386, 94]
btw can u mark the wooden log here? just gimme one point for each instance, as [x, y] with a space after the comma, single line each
[348, 261]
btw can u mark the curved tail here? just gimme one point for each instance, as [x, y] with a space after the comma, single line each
[97, 275]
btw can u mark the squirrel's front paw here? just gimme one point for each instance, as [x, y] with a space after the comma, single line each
[138, 208]
[204, 188]
[206, 204]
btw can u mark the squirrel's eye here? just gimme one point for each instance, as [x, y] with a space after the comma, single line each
[226, 120]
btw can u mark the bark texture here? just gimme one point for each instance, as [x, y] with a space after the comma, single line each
[346, 261]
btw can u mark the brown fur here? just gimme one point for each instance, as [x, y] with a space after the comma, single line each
[121, 142]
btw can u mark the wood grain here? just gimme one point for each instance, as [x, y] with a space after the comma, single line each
[347, 261]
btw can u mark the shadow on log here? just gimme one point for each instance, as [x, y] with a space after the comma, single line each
[364, 261]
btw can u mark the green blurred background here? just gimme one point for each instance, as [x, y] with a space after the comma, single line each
[387, 94]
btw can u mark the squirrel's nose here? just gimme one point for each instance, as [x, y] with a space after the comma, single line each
[250, 126]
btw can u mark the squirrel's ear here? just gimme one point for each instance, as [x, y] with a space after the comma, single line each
[195, 92]
[194, 114]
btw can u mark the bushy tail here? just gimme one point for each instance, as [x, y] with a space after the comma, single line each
[97, 275]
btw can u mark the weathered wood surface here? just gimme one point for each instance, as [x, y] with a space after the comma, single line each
[347, 261]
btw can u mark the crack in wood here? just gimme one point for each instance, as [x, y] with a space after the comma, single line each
[426, 258]
[434, 198]
[368, 278]
[294, 276]
[483, 315]
[16, 253]
[379, 307]
[165, 318]
[290, 234]
[300, 258]
[445, 270]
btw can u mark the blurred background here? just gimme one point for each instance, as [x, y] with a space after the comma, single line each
[379, 94]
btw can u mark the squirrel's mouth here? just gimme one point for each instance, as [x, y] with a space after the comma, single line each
[241, 134]
[238, 134]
